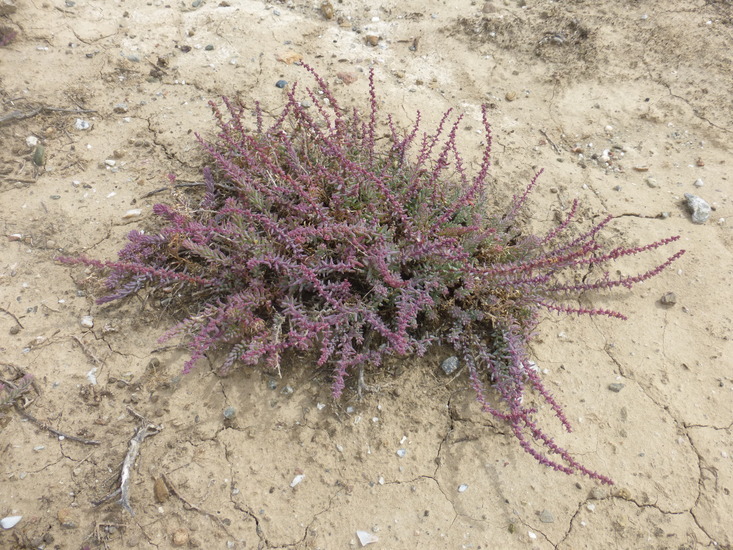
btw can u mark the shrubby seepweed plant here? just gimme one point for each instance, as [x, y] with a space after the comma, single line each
[316, 234]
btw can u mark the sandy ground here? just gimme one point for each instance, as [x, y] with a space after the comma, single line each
[648, 83]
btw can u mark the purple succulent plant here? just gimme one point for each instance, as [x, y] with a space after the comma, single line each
[312, 236]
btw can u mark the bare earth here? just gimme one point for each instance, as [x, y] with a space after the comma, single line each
[648, 83]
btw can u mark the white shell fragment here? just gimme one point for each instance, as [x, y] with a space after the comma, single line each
[297, 479]
[134, 213]
[366, 537]
[10, 522]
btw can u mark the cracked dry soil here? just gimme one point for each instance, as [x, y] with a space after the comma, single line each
[625, 104]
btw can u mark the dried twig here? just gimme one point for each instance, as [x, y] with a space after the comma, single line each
[146, 429]
[54, 431]
[555, 147]
[93, 358]
[190, 506]
[12, 116]
[13, 316]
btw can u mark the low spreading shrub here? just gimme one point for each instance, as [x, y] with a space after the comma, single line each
[315, 234]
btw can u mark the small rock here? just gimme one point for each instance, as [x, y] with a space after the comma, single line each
[230, 413]
[87, 321]
[668, 299]
[699, 209]
[110, 162]
[66, 518]
[401, 453]
[120, 108]
[15, 329]
[209, 47]
[651, 182]
[598, 493]
[365, 537]
[289, 57]
[82, 124]
[7, 7]
[488, 8]
[347, 78]
[547, 517]
[31, 141]
[510, 96]
[180, 537]
[327, 9]
[698, 183]
[616, 387]
[281, 83]
[39, 155]
[372, 39]
[462, 488]
[160, 490]
[450, 365]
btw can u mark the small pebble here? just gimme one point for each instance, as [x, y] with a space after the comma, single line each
[120, 108]
[510, 96]
[450, 365]
[160, 490]
[180, 537]
[616, 387]
[230, 413]
[209, 47]
[372, 39]
[401, 453]
[327, 9]
[598, 493]
[281, 83]
[547, 517]
[698, 183]
[668, 299]
[699, 209]
[87, 321]
[462, 488]
[651, 182]
[39, 155]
